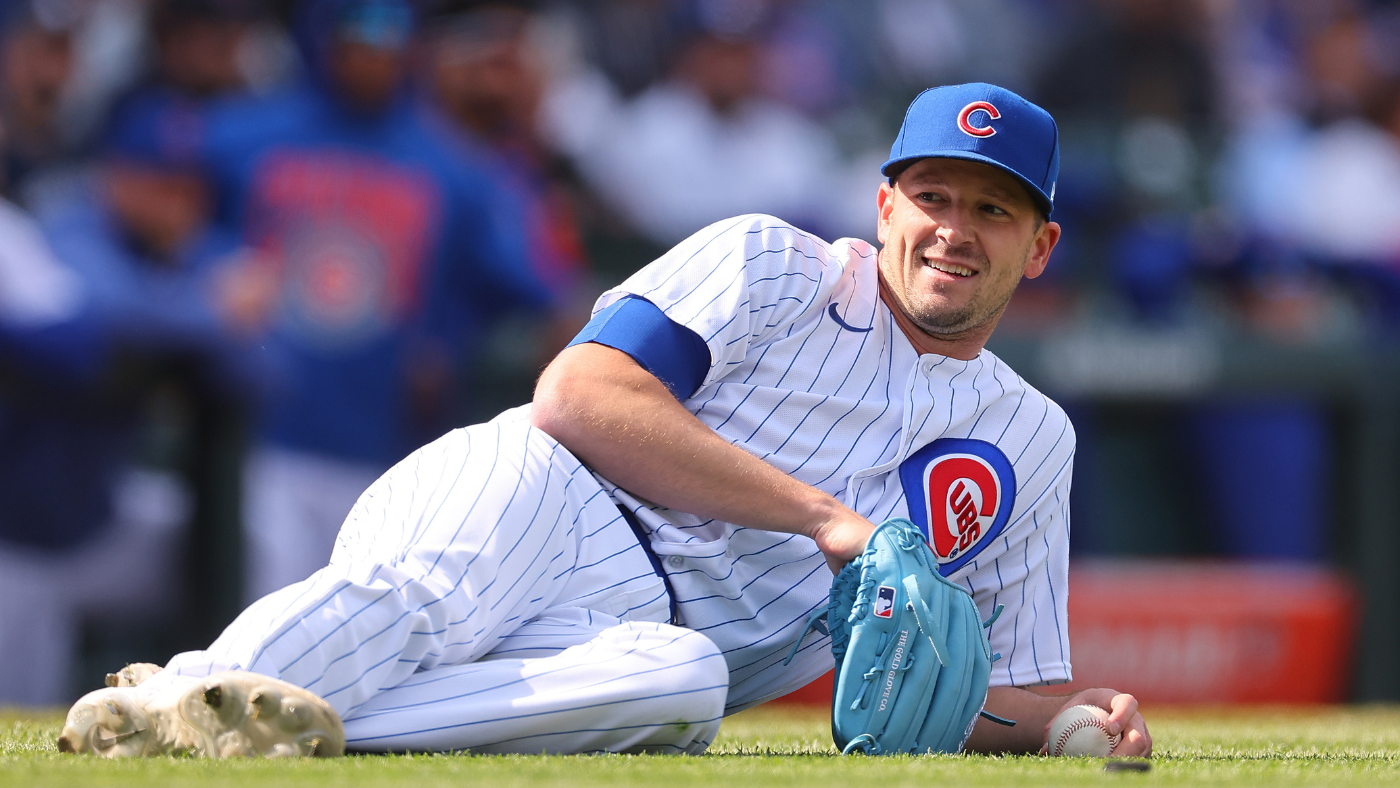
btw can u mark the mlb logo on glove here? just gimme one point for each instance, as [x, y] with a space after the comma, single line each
[884, 602]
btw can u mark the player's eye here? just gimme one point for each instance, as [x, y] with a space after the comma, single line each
[995, 210]
[930, 197]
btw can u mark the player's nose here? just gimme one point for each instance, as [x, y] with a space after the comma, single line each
[953, 229]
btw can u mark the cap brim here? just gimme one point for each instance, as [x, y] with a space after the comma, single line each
[1041, 199]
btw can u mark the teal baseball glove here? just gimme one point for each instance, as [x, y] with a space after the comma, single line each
[912, 655]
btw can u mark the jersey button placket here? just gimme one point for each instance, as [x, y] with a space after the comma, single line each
[675, 562]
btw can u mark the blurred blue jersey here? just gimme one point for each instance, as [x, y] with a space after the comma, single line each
[69, 412]
[389, 243]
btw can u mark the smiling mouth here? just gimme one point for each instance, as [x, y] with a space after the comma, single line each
[951, 268]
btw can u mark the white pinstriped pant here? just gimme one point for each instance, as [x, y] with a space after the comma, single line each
[486, 594]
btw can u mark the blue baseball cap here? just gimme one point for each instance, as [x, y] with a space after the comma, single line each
[383, 24]
[985, 123]
[157, 128]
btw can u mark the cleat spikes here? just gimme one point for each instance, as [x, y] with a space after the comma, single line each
[256, 703]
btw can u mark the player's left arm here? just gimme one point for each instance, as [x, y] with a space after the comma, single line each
[1033, 712]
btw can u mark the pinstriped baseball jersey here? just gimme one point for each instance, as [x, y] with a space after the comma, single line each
[809, 372]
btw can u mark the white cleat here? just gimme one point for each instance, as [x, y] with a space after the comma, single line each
[234, 713]
[132, 674]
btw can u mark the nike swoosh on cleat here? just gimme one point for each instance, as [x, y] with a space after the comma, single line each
[844, 324]
[106, 742]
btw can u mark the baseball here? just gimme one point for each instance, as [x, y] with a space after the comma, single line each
[1081, 730]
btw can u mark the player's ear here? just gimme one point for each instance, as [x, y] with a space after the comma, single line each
[884, 201]
[1041, 246]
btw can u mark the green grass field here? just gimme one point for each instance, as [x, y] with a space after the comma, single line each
[774, 747]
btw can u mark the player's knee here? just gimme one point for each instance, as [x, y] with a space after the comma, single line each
[698, 660]
[708, 683]
[690, 680]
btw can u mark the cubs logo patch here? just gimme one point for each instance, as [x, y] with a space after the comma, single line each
[965, 119]
[336, 288]
[884, 602]
[960, 493]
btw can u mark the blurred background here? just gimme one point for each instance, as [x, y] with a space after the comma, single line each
[253, 252]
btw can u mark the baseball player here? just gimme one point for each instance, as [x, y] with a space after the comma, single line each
[630, 558]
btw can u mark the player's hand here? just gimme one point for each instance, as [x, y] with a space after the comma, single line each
[245, 291]
[1123, 717]
[842, 537]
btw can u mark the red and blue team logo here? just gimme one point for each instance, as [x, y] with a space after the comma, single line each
[884, 602]
[336, 290]
[960, 493]
[965, 119]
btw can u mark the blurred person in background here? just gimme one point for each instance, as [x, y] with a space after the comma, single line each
[1333, 136]
[117, 291]
[631, 42]
[486, 73]
[161, 118]
[726, 148]
[1142, 117]
[1135, 93]
[43, 438]
[1311, 176]
[36, 60]
[947, 41]
[382, 251]
[197, 46]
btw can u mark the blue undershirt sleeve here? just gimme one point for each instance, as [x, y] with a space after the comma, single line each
[676, 355]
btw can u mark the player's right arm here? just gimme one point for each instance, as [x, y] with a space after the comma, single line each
[623, 422]
[685, 322]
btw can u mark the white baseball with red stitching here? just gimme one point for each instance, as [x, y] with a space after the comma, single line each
[1081, 730]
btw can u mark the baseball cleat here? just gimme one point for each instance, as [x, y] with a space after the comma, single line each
[234, 713]
[132, 674]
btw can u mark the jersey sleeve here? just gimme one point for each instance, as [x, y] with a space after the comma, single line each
[735, 284]
[1030, 575]
[677, 356]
